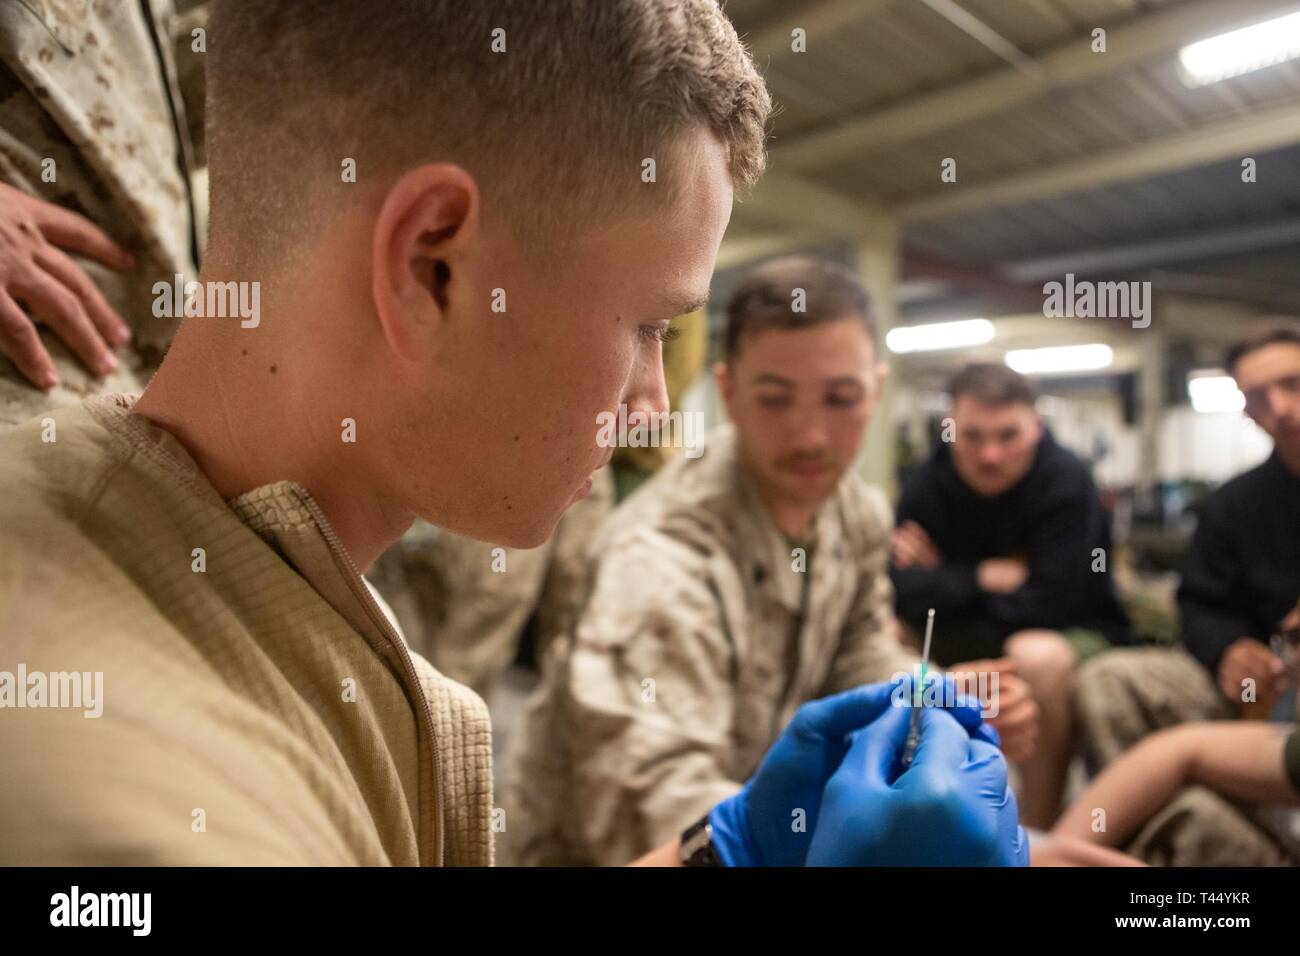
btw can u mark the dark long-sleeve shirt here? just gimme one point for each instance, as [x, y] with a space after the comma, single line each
[1242, 574]
[1052, 520]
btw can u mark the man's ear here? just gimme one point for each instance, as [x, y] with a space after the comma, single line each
[1040, 425]
[429, 218]
[722, 378]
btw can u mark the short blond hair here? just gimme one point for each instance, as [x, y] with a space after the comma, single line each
[555, 126]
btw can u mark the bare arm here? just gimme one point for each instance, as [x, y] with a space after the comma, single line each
[1052, 849]
[666, 855]
[1239, 760]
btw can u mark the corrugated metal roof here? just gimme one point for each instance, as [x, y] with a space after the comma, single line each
[886, 72]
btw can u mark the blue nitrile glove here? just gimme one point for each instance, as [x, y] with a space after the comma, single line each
[952, 807]
[771, 821]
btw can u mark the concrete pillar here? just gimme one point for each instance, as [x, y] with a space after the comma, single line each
[1152, 373]
[878, 258]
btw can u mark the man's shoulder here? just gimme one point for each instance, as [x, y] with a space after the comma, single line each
[664, 553]
[691, 503]
[865, 511]
[52, 467]
[1246, 485]
[1243, 492]
[85, 510]
[1061, 473]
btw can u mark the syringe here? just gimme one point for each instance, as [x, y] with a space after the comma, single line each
[914, 729]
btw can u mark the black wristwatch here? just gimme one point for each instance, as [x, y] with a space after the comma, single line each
[697, 845]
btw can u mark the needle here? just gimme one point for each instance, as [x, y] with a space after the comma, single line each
[914, 730]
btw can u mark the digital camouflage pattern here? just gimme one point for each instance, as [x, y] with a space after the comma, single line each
[94, 87]
[698, 639]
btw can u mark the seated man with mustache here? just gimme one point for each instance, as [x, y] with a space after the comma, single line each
[731, 588]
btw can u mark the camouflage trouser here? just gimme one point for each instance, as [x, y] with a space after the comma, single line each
[1200, 828]
[1124, 695]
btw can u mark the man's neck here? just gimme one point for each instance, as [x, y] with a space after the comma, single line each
[794, 520]
[249, 417]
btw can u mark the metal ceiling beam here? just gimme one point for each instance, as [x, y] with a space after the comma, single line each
[773, 37]
[1142, 255]
[1270, 296]
[985, 35]
[1239, 136]
[1071, 64]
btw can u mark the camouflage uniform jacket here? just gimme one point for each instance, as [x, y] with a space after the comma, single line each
[699, 638]
[93, 86]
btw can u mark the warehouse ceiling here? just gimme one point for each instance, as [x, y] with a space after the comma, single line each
[1067, 160]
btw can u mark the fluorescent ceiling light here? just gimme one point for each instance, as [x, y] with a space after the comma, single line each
[939, 335]
[1213, 392]
[1063, 358]
[1241, 51]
